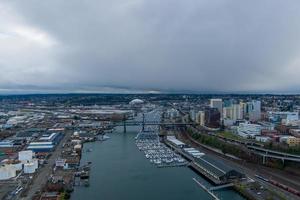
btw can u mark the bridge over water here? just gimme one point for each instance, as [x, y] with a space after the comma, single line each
[149, 123]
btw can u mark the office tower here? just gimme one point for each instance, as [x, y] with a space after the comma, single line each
[212, 117]
[254, 110]
[217, 103]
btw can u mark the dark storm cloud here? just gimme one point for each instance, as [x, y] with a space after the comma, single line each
[208, 45]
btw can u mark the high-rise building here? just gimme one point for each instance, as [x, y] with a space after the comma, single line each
[200, 118]
[233, 112]
[227, 112]
[212, 117]
[244, 110]
[193, 115]
[217, 103]
[237, 112]
[254, 110]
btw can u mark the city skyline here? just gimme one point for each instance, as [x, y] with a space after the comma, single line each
[149, 47]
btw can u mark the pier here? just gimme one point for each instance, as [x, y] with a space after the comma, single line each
[221, 187]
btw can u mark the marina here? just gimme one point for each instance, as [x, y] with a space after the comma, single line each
[158, 153]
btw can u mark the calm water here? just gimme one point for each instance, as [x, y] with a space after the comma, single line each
[121, 172]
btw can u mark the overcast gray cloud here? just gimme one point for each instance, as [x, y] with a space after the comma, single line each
[197, 45]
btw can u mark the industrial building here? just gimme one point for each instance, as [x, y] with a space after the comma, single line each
[175, 142]
[217, 171]
[53, 137]
[30, 133]
[6, 143]
[194, 152]
[41, 146]
[46, 143]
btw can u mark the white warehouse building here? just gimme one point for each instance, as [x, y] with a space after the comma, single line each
[248, 130]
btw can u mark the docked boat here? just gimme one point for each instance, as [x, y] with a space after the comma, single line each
[84, 175]
[157, 152]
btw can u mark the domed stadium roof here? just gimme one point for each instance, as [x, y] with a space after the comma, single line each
[136, 101]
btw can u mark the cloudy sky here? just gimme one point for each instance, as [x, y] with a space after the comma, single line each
[150, 45]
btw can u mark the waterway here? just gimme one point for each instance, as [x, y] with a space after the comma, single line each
[121, 172]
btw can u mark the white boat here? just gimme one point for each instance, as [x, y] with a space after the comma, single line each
[105, 137]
